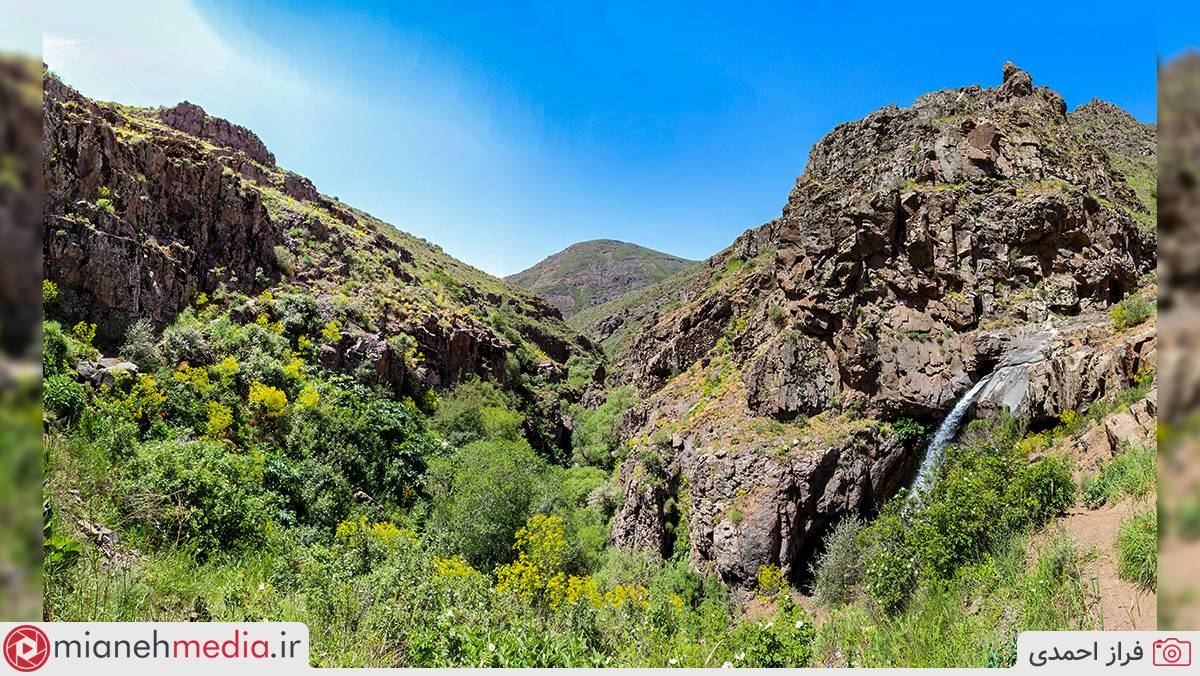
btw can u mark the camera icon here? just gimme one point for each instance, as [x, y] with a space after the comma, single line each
[1171, 652]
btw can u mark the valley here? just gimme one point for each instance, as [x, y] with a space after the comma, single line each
[263, 403]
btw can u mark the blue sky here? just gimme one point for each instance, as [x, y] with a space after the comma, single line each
[507, 131]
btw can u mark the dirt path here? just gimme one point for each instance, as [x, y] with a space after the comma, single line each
[1124, 606]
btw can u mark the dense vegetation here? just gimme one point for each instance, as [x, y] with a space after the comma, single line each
[240, 480]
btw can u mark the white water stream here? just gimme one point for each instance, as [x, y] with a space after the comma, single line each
[935, 453]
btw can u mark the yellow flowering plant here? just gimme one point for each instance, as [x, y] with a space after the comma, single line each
[272, 400]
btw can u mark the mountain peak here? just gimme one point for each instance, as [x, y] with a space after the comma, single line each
[596, 271]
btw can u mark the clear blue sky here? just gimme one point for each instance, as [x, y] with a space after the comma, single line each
[505, 132]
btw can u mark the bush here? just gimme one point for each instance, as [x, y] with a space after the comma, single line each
[482, 496]
[838, 571]
[783, 641]
[380, 446]
[908, 430]
[50, 292]
[198, 494]
[184, 342]
[322, 496]
[1137, 549]
[54, 349]
[1131, 312]
[476, 410]
[140, 347]
[64, 397]
[890, 569]
[1038, 492]
[298, 314]
[771, 582]
[597, 431]
[80, 341]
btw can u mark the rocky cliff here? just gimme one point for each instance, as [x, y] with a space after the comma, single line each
[921, 248]
[149, 211]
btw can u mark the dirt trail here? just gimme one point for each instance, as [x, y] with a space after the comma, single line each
[1124, 606]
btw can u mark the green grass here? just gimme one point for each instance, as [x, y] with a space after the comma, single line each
[20, 483]
[972, 619]
[1137, 549]
[1142, 178]
[1133, 472]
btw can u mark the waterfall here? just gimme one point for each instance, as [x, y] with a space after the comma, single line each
[936, 451]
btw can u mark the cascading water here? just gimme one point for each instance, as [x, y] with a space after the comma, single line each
[936, 451]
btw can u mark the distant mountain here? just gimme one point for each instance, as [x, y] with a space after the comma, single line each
[597, 271]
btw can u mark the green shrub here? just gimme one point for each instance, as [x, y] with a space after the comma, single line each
[54, 349]
[298, 313]
[908, 430]
[321, 495]
[596, 437]
[1039, 491]
[1131, 472]
[140, 346]
[838, 571]
[50, 292]
[1131, 312]
[185, 342]
[580, 369]
[1137, 549]
[64, 397]
[889, 563]
[79, 342]
[198, 494]
[476, 410]
[783, 641]
[381, 446]
[482, 496]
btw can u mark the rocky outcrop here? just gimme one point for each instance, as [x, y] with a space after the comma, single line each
[136, 226]
[1136, 425]
[751, 509]
[191, 119]
[908, 231]
[148, 212]
[1080, 365]
[922, 248]
[1116, 130]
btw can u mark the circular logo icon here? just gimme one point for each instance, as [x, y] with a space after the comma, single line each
[26, 648]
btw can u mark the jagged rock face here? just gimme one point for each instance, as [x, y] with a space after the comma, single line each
[911, 227]
[190, 118]
[146, 209]
[180, 222]
[922, 247]
[749, 510]
[1079, 366]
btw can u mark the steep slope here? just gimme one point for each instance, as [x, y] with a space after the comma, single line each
[150, 211]
[922, 247]
[614, 322]
[594, 272]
